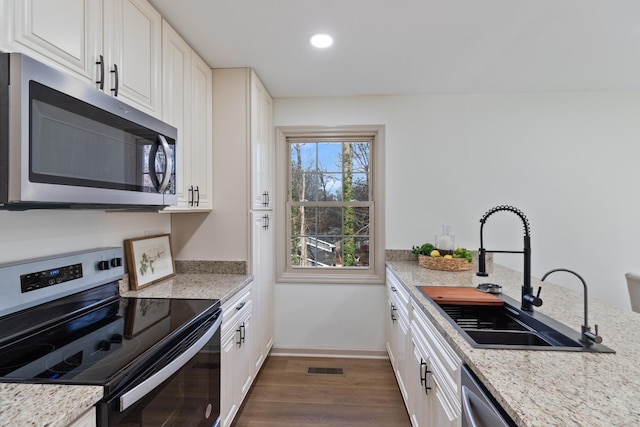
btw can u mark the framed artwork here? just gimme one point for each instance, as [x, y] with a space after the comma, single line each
[149, 260]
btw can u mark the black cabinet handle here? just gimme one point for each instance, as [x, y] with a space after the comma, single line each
[265, 222]
[239, 306]
[100, 82]
[190, 201]
[423, 379]
[117, 81]
[393, 310]
[265, 199]
[393, 289]
[242, 331]
[197, 191]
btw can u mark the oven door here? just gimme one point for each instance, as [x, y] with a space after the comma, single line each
[183, 393]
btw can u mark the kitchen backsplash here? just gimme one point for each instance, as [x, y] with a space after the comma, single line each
[211, 267]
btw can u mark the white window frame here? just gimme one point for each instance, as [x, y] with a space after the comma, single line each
[375, 273]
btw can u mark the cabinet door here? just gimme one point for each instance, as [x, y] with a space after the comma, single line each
[176, 108]
[228, 384]
[61, 32]
[263, 271]
[418, 384]
[133, 39]
[201, 140]
[247, 342]
[262, 171]
[187, 105]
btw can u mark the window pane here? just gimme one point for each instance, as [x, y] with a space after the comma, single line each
[360, 182]
[362, 251]
[360, 159]
[303, 156]
[330, 156]
[330, 221]
[332, 187]
[303, 220]
[361, 221]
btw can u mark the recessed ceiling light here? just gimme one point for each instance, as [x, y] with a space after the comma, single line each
[321, 40]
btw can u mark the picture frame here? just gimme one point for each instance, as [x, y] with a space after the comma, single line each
[149, 260]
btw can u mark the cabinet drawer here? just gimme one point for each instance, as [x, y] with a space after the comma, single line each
[398, 296]
[232, 309]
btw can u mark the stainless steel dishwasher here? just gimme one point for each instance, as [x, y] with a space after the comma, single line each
[479, 409]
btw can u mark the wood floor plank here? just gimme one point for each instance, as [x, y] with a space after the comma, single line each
[285, 395]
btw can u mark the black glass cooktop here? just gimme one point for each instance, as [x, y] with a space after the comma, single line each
[95, 337]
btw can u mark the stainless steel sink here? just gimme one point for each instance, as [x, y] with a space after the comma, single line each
[509, 327]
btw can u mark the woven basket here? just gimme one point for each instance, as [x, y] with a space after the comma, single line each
[445, 264]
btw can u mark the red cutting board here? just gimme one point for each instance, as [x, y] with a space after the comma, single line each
[460, 296]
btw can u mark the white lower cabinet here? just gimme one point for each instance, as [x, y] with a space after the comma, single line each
[425, 365]
[435, 399]
[88, 419]
[397, 331]
[237, 353]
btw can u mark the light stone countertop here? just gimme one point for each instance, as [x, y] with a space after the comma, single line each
[194, 286]
[547, 388]
[38, 405]
[58, 405]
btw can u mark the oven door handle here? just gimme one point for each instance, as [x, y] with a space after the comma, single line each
[142, 389]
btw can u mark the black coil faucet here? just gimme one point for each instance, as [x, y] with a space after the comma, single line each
[528, 299]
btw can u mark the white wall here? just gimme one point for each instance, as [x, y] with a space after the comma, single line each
[568, 160]
[36, 233]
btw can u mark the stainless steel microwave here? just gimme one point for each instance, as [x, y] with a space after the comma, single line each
[65, 144]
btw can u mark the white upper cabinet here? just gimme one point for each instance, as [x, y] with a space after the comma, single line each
[66, 32]
[187, 104]
[133, 53]
[262, 150]
[115, 45]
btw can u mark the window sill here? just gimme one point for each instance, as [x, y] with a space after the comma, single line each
[329, 277]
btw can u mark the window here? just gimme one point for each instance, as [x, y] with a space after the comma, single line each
[332, 194]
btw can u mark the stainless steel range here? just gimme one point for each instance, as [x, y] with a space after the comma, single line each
[64, 322]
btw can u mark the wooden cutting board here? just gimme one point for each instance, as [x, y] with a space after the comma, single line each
[461, 296]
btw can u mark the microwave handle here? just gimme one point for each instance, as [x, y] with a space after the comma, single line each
[142, 389]
[168, 166]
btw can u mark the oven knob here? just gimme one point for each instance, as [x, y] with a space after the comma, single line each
[103, 265]
[116, 262]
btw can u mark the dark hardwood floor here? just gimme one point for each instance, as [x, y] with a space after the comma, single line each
[285, 395]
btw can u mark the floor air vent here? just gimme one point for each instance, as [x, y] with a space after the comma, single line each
[325, 371]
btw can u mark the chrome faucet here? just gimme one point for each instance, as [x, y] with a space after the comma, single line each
[528, 299]
[587, 335]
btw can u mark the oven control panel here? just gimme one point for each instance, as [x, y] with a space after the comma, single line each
[55, 276]
[35, 281]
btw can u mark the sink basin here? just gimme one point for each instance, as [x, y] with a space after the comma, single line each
[507, 338]
[508, 327]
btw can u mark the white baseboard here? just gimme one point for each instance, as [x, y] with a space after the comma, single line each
[328, 352]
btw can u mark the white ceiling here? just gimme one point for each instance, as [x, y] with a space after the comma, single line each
[400, 47]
